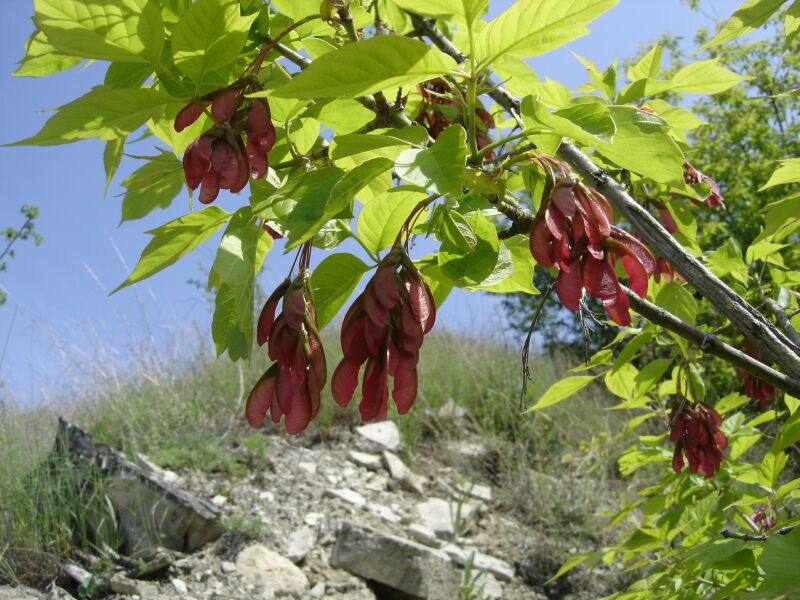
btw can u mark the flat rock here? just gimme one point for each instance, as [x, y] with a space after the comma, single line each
[476, 490]
[363, 459]
[480, 562]
[443, 517]
[122, 585]
[395, 562]
[301, 542]
[348, 495]
[384, 512]
[424, 535]
[149, 513]
[278, 575]
[384, 433]
[451, 410]
[401, 473]
[179, 586]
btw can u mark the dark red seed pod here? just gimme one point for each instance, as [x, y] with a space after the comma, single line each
[420, 300]
[618, 308]
[243, 167]
[598, 278]
[404, 391]
[345, 381]
[261, 397]
[187, 116]
[385, 286]
[197, 160]
[569, 287]
[541, 243]
[563, 198]
[375, 391]
[377, 312]
[209, 189]
[259, 161]
[294, 304]
[259, 119]
[224, 104]
[267, 316]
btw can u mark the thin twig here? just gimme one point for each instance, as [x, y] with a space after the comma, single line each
[526, 347]
[731, 535]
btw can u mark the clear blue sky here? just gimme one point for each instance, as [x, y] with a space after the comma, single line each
[58, 292]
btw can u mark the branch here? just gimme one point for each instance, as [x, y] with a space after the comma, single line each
[711, 344]
[783, 320]
[761, 332]
[757, 538]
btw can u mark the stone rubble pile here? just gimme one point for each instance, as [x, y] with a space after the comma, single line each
[344, 518]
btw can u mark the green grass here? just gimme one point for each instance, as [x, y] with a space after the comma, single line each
[185, 411]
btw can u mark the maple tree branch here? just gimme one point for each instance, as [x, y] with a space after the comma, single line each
[783, 320]
[759, 330]
[731, 535]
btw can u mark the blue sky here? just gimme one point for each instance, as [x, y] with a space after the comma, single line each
[59, 315]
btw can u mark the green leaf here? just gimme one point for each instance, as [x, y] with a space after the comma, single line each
[642, 144]
[696, 384]
[622, 382]
[378, 63]
[42, 58]
[457, 232]
[585, 123]
[521, 277]
[151, 186]
[748, 17]
[175, 239]
[103, 113]
[561, 390]
[788, 171]
[648, 66]
[779, 561]
[354, 181]
[121, 30]
[380, 220]
[239, 257]
[651, 374]
[770, 468]
[210, 35]
[386, 144]
[704, 77]
[532, 27]
[676, 299]
[112, 155]
[333, 281]
[303, 204]
[466, 11]
[791, 22]
[127, 75]
[473, 268]
[440, 167]
[726, 259]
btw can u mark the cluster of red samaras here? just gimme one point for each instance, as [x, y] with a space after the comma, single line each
[291, 386]
[220, 158]
[695, 433]
[757, 389]
[384, 329]
[573, 230]
[433, 118]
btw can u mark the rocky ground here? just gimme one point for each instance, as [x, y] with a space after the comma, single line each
[339, 516]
